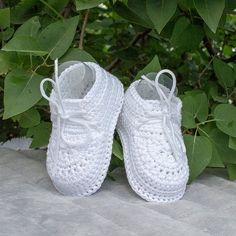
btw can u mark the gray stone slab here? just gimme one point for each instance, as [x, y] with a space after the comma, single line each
[81, 222]
[210, 197]
[200, 216]
[100, 199]
[30, 205]
[7, 155]
[122, 191]
[180, 209]
[215, 223]
[144, 221]
[218, 182]
[12, 223]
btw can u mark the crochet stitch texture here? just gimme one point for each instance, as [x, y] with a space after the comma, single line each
[85, 104]
[150, 130]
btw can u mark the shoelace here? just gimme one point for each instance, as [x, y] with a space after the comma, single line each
[174, 140]
[79, 117]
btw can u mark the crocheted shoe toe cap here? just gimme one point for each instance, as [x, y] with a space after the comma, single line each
[77, 182]
[154, 173]
[77, 189]
[155, 163]
[80, 176]
[161, 175]
[162, 184]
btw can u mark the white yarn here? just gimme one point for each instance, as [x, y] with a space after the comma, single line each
[85, 103]
[150, 130]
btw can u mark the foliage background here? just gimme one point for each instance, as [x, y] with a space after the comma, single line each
[194, 38]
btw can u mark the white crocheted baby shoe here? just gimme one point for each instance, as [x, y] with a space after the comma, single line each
[150, 130]
[85, 103]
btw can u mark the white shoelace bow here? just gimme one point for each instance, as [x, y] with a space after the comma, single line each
[174, 140]
[76, 117]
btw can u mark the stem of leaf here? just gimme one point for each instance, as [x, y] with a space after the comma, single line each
[1, 31]
[205, 68]
[31, 61]
[111, 3]
[81, 38]
[194, 139]
[42, 64]
[203, 132]
[207, 121]
[190, 15]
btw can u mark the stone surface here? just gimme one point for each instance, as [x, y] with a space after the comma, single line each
[30, 205]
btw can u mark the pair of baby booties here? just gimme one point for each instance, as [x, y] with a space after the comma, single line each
[87, 103]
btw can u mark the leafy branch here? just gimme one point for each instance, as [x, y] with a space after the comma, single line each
[133, 42]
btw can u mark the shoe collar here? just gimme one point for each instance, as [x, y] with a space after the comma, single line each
[73, 104]
[154, 104]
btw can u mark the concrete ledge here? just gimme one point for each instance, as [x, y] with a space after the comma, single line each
[31, 206]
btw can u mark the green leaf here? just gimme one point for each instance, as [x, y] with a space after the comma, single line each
[40, 134]
[216, 161]
[186, 4]
[85, 4]
[221, 150]
[127, 13]
[188, 120]
[6, 34]
[153, 65]
[57, 5]
[139, 8]
[4, 18]
[234, 69]
[127, 54]
[195, 105]
[8, 60]
[221, 99]
[199, 153]
[186, 35]
[224, 73]
[211, 89]
[230, 6]
[231, 169]
[117, 150]
[29, 118]
[160, 12]
[76, 54]
[57, 37]
[25, 44]
[227, 50]
[210, 11]
[29, 28]
[232, 143]
[43, 101]
[225, 115]
[214, 36]
[214, 134]
[21, 92]
[23, 11]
